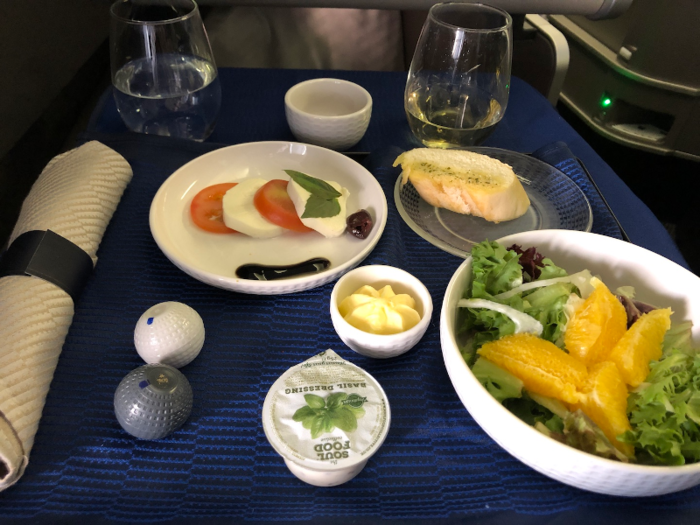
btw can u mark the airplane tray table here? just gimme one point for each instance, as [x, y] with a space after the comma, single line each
[436, 466]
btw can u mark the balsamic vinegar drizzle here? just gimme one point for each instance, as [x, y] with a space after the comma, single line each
[260, 272]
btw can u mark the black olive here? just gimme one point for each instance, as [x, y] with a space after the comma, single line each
[360, 224]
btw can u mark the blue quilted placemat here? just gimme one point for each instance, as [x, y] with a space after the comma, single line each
[436, 464]
[560, 156]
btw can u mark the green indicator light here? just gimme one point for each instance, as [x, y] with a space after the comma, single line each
[605, 102]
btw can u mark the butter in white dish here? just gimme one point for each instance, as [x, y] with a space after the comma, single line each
[326, 417]
[380, 312]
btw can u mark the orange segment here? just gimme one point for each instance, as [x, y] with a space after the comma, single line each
[542, 367]
[604, 400]
[642, 343]
[596, 326]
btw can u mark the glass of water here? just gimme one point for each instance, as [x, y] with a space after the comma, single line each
[459, 80]
[163, 71]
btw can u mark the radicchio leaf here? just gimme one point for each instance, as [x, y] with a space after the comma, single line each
[634, 309]
[531, 261]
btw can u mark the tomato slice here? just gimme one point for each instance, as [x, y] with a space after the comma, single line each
[207, 209]
[273, 203]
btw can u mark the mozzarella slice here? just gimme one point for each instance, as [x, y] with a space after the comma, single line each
[240, 212]
[326, 226]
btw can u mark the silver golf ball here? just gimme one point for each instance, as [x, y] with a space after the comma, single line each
[153, 401]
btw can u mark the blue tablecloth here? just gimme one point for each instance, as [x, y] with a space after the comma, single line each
[436, 465]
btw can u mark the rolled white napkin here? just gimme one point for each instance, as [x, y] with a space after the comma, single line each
[75, 196]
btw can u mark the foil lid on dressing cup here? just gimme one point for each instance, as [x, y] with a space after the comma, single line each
[326, 417]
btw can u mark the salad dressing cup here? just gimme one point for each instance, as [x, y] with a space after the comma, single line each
[326, 417]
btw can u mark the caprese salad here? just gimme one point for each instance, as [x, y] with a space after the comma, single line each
[264, 209]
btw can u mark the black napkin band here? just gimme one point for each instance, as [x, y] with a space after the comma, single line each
[51, 257]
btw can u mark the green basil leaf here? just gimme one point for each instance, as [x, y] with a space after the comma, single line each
[344, 419]
[303, 413]
[329, 425]
[317, 207]
[314, 401]
[314, 186]
[318, 425]
[335, 400]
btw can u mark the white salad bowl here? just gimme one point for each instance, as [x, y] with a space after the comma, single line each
[657, 281]
[378, 276]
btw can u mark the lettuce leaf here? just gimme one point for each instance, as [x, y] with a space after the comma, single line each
[508, 390]
[494, 270]
[547, 306]
[679, 337]
[583, 434]
[500, 383]
[664, 411]
[498, 276]
[534, 414]
[551, 270]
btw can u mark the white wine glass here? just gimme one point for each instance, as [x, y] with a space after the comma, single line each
[163, 71]
[459, 80]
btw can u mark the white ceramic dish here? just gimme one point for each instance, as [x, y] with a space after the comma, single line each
[213, 258]
[328, 112]
[377, 276]
[657, 281]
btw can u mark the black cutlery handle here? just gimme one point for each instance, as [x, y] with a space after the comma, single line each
[600, 193]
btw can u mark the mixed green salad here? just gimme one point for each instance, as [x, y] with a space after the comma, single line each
[520, 290]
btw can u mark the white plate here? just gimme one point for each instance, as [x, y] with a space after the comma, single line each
[556, 202]
[213, 258]
[656, 280]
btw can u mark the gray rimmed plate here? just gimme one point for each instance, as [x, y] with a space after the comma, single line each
[556, 203]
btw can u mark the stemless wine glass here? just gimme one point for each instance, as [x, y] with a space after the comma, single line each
[163, 71]
[458, 83]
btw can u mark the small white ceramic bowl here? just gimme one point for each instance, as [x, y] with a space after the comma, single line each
[328, 112]
[377, 276]
[657, 281]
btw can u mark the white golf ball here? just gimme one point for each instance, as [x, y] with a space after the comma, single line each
[169, 333]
